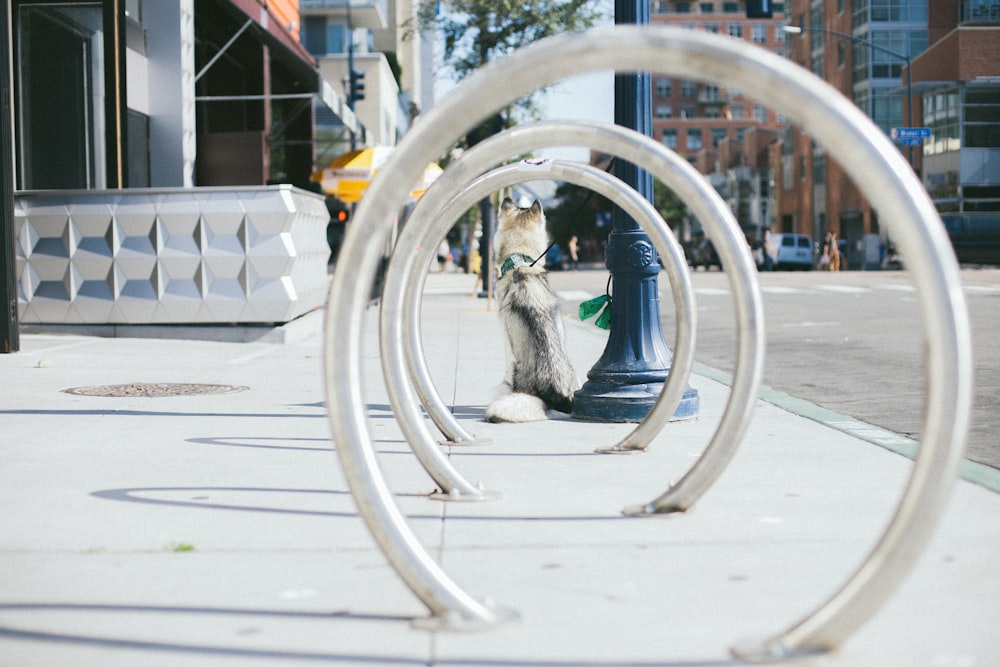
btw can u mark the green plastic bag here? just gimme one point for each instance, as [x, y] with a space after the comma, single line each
[600, 304]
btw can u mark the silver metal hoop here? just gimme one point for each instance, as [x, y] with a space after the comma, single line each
[427, 225]
[850, 138]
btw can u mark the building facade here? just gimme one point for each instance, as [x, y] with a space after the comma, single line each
[958, 89]
[721, 132]
[162, 153]
[693, 117]
[368, 35]
[862, 49]
[174, 93]
[906, 64]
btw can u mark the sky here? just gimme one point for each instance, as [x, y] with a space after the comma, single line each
[586, 97]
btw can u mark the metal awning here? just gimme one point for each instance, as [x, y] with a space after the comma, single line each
[261, 23]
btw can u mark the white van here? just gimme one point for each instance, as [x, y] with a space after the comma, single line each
[791, 251]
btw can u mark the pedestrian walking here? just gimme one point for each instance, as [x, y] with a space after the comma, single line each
[574, 252]
[834, 252]
[768, 260]
[824, 260]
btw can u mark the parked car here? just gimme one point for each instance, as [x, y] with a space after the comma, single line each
[792, 251]
[555, 260]
[704, 254]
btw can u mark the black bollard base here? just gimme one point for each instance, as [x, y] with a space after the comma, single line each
[598, 401]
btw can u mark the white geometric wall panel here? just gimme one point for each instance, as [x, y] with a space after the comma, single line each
[170, 255]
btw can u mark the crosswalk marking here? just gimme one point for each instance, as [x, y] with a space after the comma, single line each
[844, 289]
[583, 295]
[575, 295]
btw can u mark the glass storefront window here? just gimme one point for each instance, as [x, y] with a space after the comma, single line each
[60, 133]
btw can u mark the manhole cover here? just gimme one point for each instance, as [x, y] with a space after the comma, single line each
[154, 389]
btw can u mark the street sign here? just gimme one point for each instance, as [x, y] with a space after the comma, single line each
[912, 142]
[910, 133]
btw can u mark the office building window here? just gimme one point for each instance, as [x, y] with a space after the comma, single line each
[982, 117]
[941, 114]
[898, 11]
[61, 97]
[693, 142]
[321, 37]
[138, 149]
[819, 167]
[669, 138]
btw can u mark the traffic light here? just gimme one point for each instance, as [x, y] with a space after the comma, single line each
[357, 88]
[759, 9]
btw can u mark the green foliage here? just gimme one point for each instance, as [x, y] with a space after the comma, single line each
[477, 32]
[575, 214]
[577, 209]
[668, 204]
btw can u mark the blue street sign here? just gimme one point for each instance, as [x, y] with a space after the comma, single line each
[912, 142]
[910, 133]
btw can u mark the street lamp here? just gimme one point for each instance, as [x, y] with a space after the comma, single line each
[797, 30]
[626, 381]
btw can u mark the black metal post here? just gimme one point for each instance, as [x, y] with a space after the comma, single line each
[628, 378]
[9, 335]
[486, 248]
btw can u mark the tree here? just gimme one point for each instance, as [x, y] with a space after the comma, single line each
[476, 32]
[576, 212]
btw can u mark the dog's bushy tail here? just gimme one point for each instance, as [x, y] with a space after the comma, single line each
[516, 407]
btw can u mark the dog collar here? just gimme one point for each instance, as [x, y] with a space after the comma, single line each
[511, 262]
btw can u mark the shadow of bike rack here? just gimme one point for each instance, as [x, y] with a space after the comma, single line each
[850, 138]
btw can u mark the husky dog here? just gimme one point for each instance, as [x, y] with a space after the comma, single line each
[539, 375]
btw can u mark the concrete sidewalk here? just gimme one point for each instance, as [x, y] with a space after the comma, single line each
[217, 529]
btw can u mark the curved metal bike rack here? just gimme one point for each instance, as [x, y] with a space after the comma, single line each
[399, 333]
[849, 136]
[428, 224]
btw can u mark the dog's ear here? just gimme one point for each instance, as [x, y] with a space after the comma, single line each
[507, 204]
[536, 207]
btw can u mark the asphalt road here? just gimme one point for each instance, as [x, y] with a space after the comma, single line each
[847, 341]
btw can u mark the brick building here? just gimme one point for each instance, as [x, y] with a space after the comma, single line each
[958, 81]
[721, 132]
[862, 49]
